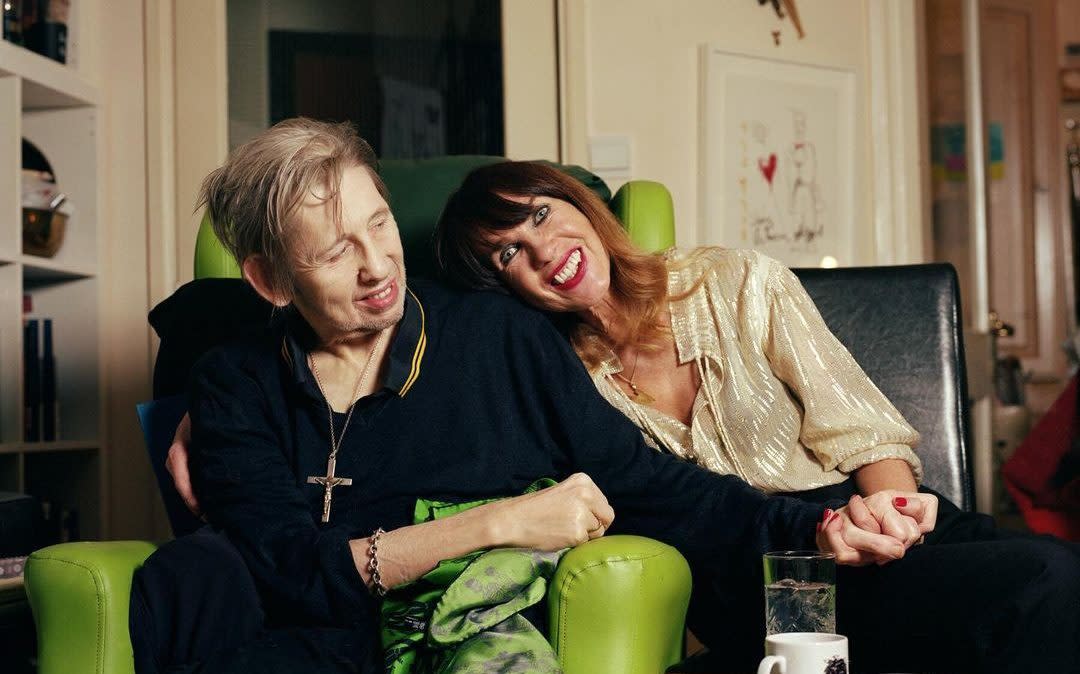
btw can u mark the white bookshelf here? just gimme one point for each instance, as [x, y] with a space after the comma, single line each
[55, 108]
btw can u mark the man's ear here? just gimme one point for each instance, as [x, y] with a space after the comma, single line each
[257, 271]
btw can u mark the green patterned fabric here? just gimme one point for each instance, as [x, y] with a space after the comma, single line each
[462, 616]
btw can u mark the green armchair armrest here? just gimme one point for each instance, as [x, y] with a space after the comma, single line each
[79, 595]
[617, 606]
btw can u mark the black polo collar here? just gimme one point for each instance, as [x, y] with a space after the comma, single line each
[406, 351]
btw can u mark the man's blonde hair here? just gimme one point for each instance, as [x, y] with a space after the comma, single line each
[253, 197]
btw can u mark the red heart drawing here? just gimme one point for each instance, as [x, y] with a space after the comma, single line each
[768, 168]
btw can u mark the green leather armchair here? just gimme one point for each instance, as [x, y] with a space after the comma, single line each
[616, 605]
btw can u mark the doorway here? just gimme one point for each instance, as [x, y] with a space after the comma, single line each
[417, 79]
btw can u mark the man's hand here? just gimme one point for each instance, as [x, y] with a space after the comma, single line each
[560, 516]
[177, 464]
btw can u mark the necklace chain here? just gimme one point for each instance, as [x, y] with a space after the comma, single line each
[335, 441]
[639, 395]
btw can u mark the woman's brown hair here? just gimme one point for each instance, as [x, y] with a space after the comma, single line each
[481, 206]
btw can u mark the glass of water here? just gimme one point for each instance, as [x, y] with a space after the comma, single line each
[800, 591]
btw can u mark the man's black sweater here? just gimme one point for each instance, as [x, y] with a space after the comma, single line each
[481, 397]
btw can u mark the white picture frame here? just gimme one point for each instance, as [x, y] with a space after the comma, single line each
[778, 158]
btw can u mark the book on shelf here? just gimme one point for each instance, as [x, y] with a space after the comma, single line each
[48, 384]
[43, 26]
[42, 412]
[31, 382]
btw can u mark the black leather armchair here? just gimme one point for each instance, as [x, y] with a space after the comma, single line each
[902, 325]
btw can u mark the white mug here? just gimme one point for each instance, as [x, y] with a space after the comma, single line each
[805, 653]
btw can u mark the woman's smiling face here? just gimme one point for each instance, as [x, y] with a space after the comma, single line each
[553, 259]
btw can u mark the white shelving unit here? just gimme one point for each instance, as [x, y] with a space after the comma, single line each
[55, 108]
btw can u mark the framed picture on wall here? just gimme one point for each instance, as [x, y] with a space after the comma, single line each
[778, 158]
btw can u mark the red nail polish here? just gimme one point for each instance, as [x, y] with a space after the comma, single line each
[819, 526]
[828, 513]
[899, 501]
[832, 519]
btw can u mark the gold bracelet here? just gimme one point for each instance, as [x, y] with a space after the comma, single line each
[373, 564]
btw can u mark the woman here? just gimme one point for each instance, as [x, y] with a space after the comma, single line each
[720, 358]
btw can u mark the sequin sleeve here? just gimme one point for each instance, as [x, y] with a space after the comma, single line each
[847, 422]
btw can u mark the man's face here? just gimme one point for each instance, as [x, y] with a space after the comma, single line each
[348, 274]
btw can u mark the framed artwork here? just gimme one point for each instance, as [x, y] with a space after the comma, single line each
[778, 158]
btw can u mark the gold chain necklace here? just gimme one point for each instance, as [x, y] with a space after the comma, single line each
[330, 480]
[639, 396]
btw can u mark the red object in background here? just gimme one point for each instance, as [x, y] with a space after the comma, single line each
[1043, 475]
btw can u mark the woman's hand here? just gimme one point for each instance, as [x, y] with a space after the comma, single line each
[922, 507]
[900, 512]
[854, 545]
[889, 513]
[906, 516]
[176, 462]
[561, 516]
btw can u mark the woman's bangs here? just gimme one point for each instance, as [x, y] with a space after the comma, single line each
[492, 213]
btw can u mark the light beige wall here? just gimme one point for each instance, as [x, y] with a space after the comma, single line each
[201, 113]
[632, 68]
[247, 48]
[131, 494]
[530, 80]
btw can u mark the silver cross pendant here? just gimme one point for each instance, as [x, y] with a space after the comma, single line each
[329, 481]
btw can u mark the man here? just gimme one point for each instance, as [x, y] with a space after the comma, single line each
[313, 442]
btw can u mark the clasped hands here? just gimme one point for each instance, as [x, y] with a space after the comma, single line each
[878, 528]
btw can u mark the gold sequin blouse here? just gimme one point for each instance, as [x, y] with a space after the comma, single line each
[782, 404]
